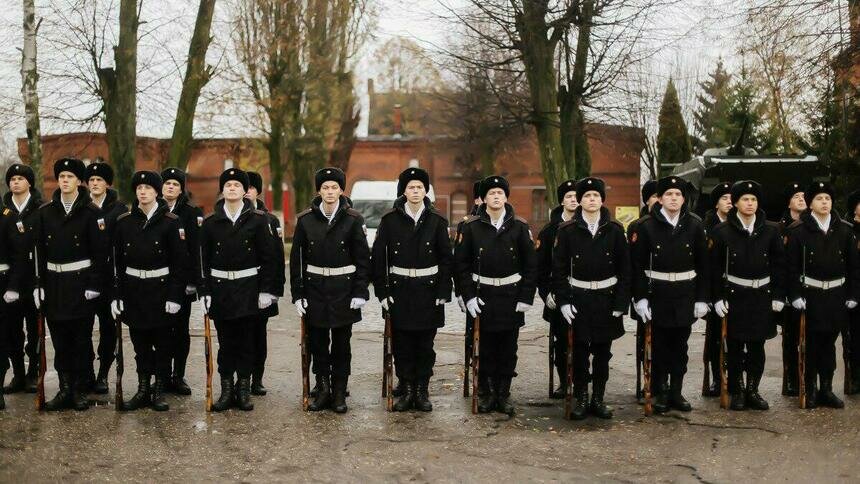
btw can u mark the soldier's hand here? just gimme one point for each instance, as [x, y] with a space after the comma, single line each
[440, 302]
[387, 302]
[189, 290]
[777, 306]
[89, 294]
[462, 304]
[265, 300]
[116, 308]
[11, 296]
[357, 303]
[643, 309]
[799, 304]
[171, 307]
[850, 304]
[550, 301]
[700, 309]
[38, 296]
[474, 306]
[569, 313]
[721, 307]
[617, 314]
[206, 301]
[301, 306]
[522, 307]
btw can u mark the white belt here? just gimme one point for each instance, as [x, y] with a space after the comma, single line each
[753, 283]
[806, 280]
[593, 285]
[427, 271]
[4, 267]
[497, 281]
[70, 267]
[231, 275]
[671, 276]
[147, 274]
[331, 271]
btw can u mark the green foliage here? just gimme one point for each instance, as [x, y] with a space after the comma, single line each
[711, 118]
[673, 142]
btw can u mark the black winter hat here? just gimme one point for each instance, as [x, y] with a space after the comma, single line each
[256, 180]
[648, 188]
[410, 174]
[566, 186]
[476, 190]
[72, 165]
[718, 191]
[791, 190]
[815, 188]
[150, 178]
[233, 174]
[174, 174]
[669, 182]
[20, 169]
[99, 169]
[494, 181]
[851, 204]
[590, 184]
[746, 187]
[330, 174]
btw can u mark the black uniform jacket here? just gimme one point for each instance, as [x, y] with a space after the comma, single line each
[190, 219]
[457, 233]
[277, 236]
[25, 226]
[403, 243]
[149, 244]
[330, 245]
[12, 256]
[230, 247]
[824, 257]
[66, 238]
[584, 257]
[543, 249]
[483, 250]
[734, 251]
[658, 246]
[109, 212]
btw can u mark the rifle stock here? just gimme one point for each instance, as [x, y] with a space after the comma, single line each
[476, 340]
[303, 339]
[568, 393]
[467, 355]
[724, 383]
[40, 322]
[120, 360]
[551, 358]
[801, 359]
[207, 340]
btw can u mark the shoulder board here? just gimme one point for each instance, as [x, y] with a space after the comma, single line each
[259, 212]
[520, 219]
[695, 216]
[471, 218]
[169, 215]
[6, 211]
[126, 214]
[353, 212]
[795, 224]
[775, 225]
[93, 206]
[46, 204]
[304, 212]
[567, 223]
[619, 224]
[841, 220]
[437, 213]
[209, 216]
[389, 212]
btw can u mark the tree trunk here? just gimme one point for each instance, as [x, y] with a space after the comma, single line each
[574, 139]
[275, 147]
[197, 75]
[29, 81]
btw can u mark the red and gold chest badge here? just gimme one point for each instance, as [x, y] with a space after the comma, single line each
[634, 237]
[101, 223]
[182, 234]
[20, 226]
[537, 244]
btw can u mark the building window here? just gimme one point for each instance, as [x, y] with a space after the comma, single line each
[540, 213]
[459, 207]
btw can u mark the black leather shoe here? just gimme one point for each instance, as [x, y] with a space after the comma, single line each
[322, 400]
[826, 397]
[79, 395]
[661, 399]
[142, 397]
[244, 400]
[789, 386]
[257, 387]
[676, 399]
[339, 399]
[487, 399]
[580, 408]
[159, 404]
[598, 408]
[559, 392]
[179, 386]
[754, 400]
[63, 398]
[225, 400]
[19, 380]
[2, 380]
[100, 387]
[421, 400]
[400, 389]
[32, 377]
[713, 390]
[503, 396]
[407, 397]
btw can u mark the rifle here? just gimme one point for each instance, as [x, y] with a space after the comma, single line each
[120, 361]
[724, 349]
[40, 324]
[476, 340]
[303, 340]
[846, 358]
[207, 342]
[801, 345]
[467, 354]
[706, 356]
[646, 361]
[387, 349]
[568, 392]
[551, 358]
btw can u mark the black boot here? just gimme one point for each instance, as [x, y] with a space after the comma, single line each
[18, 382]
[580, 408]
[855, 383]
[422, 396]
[754, 400]
[178, 385]
[257, 387]
[32, 376]
[63, 398]
[2, 382]
[739, 397]
[503, 396]
[100, 387]
[400, 389]
[140, 399]
[159, 404]
[322, 400]
[487, 396]
[339, 399]
[676, 399]
[790, 386]
[244, 400]
[661, 396]
[316, 389]
[79, 393]
[826, 397]
[598, 407]
[559, 392]
[407, 398]
[225, 400]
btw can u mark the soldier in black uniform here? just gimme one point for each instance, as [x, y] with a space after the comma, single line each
[12, 261]
[649, 198]
[412, 263]
[824, 281]
[99, 178]
[150, 251]
[329, 275]
[469, 330]
[71, 244]
[721, 201]
[496, 263]
[239, 281]
[591, 280]
[190, 219]
[255, 189]
[851, 338]
[748, 284]
[670, 286]
[789, 318]
[544, 246]
[23, 200]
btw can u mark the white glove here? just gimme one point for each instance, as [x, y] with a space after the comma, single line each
[90, 295]
[700, 309]
[799, 304]
[11, 296]
[616, 314]
[777, 306]
[116, 308]
[265, 300]
[38, 296]
[387, 302]
[522, 307]
[440, 302]
[474, 306]
[189, 290]
[850, 304]
[462, 304]
[357, 303]
[568, 311]
[643, 309]
[207, 303]
[550, 301]
[721, 307]
[301, 306]
[171, 307]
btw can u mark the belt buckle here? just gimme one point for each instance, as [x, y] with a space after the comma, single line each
[673, 277]
[326, 271]
[825, 285]
[497, 281]
[231, 275]
[755, 283]
[143, 274]
[594, 285]
[413, 272]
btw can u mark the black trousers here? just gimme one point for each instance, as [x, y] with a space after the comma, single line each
[594, 357]
[498, 354]
[152, 350]
[5, 329]
[558, 329]
[820, 354]
[744, 356]
[260, 345]
[790, 339]
[670, 352]
[713, 330]
[107, 335]
[235, 347]
[331, 351]
[414, 356]
[21, 315]
[181, 339]
[72, 345]
[851, 343]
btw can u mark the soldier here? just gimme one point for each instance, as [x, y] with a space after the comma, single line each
[190, 219]
[789, 319]
[255, 189]
[329, 275]
[649, 198]
[23, 200]
[496, 263]
[412, 262]
[721, 201]
[824, 282]
[150, 254]
[12, 261]
[591, 280]
[851, 338]
[239, 282]
[71, 244]
[468, 333]
[748, 284]
[544, 247]
[99, 178]
[670, 286]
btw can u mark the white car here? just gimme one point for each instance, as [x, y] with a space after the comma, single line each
[373, 199]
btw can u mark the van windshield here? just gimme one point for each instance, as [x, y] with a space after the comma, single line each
[372, 210]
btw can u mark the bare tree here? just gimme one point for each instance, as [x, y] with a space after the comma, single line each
[29, 91]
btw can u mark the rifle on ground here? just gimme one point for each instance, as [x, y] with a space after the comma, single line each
[640, 354]
[303, 340]
[646, 362]
[706, 357]
[551, 358]
[387, 349]
[476, 340]
[40, 324]
[724, 350]
[846, 358]
[120, 360]
[467, 354]
[207, 342]
[568, 392]
[801, 345]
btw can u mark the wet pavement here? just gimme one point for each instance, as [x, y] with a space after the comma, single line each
[279, 442]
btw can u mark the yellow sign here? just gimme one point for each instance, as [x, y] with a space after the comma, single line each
[625, 215]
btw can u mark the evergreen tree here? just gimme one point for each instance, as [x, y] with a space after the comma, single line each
[745, 105]
[673, 141]
[710, 119]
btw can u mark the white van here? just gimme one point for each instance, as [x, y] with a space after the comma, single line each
[373, 199]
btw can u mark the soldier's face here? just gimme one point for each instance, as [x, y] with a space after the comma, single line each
[170, 190]
[18, 185]
[233, 191]
[97, 186]
[747, 205]
[415, 191]
[495, 198]
[821, 204]
[145, 194]
[591, 202]
[724, 204]
[652, 200]
[797, 202]
[330, 191]
[569, 201]
[252, 193]
[68, 182]
[857, 211]
[672, 199]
